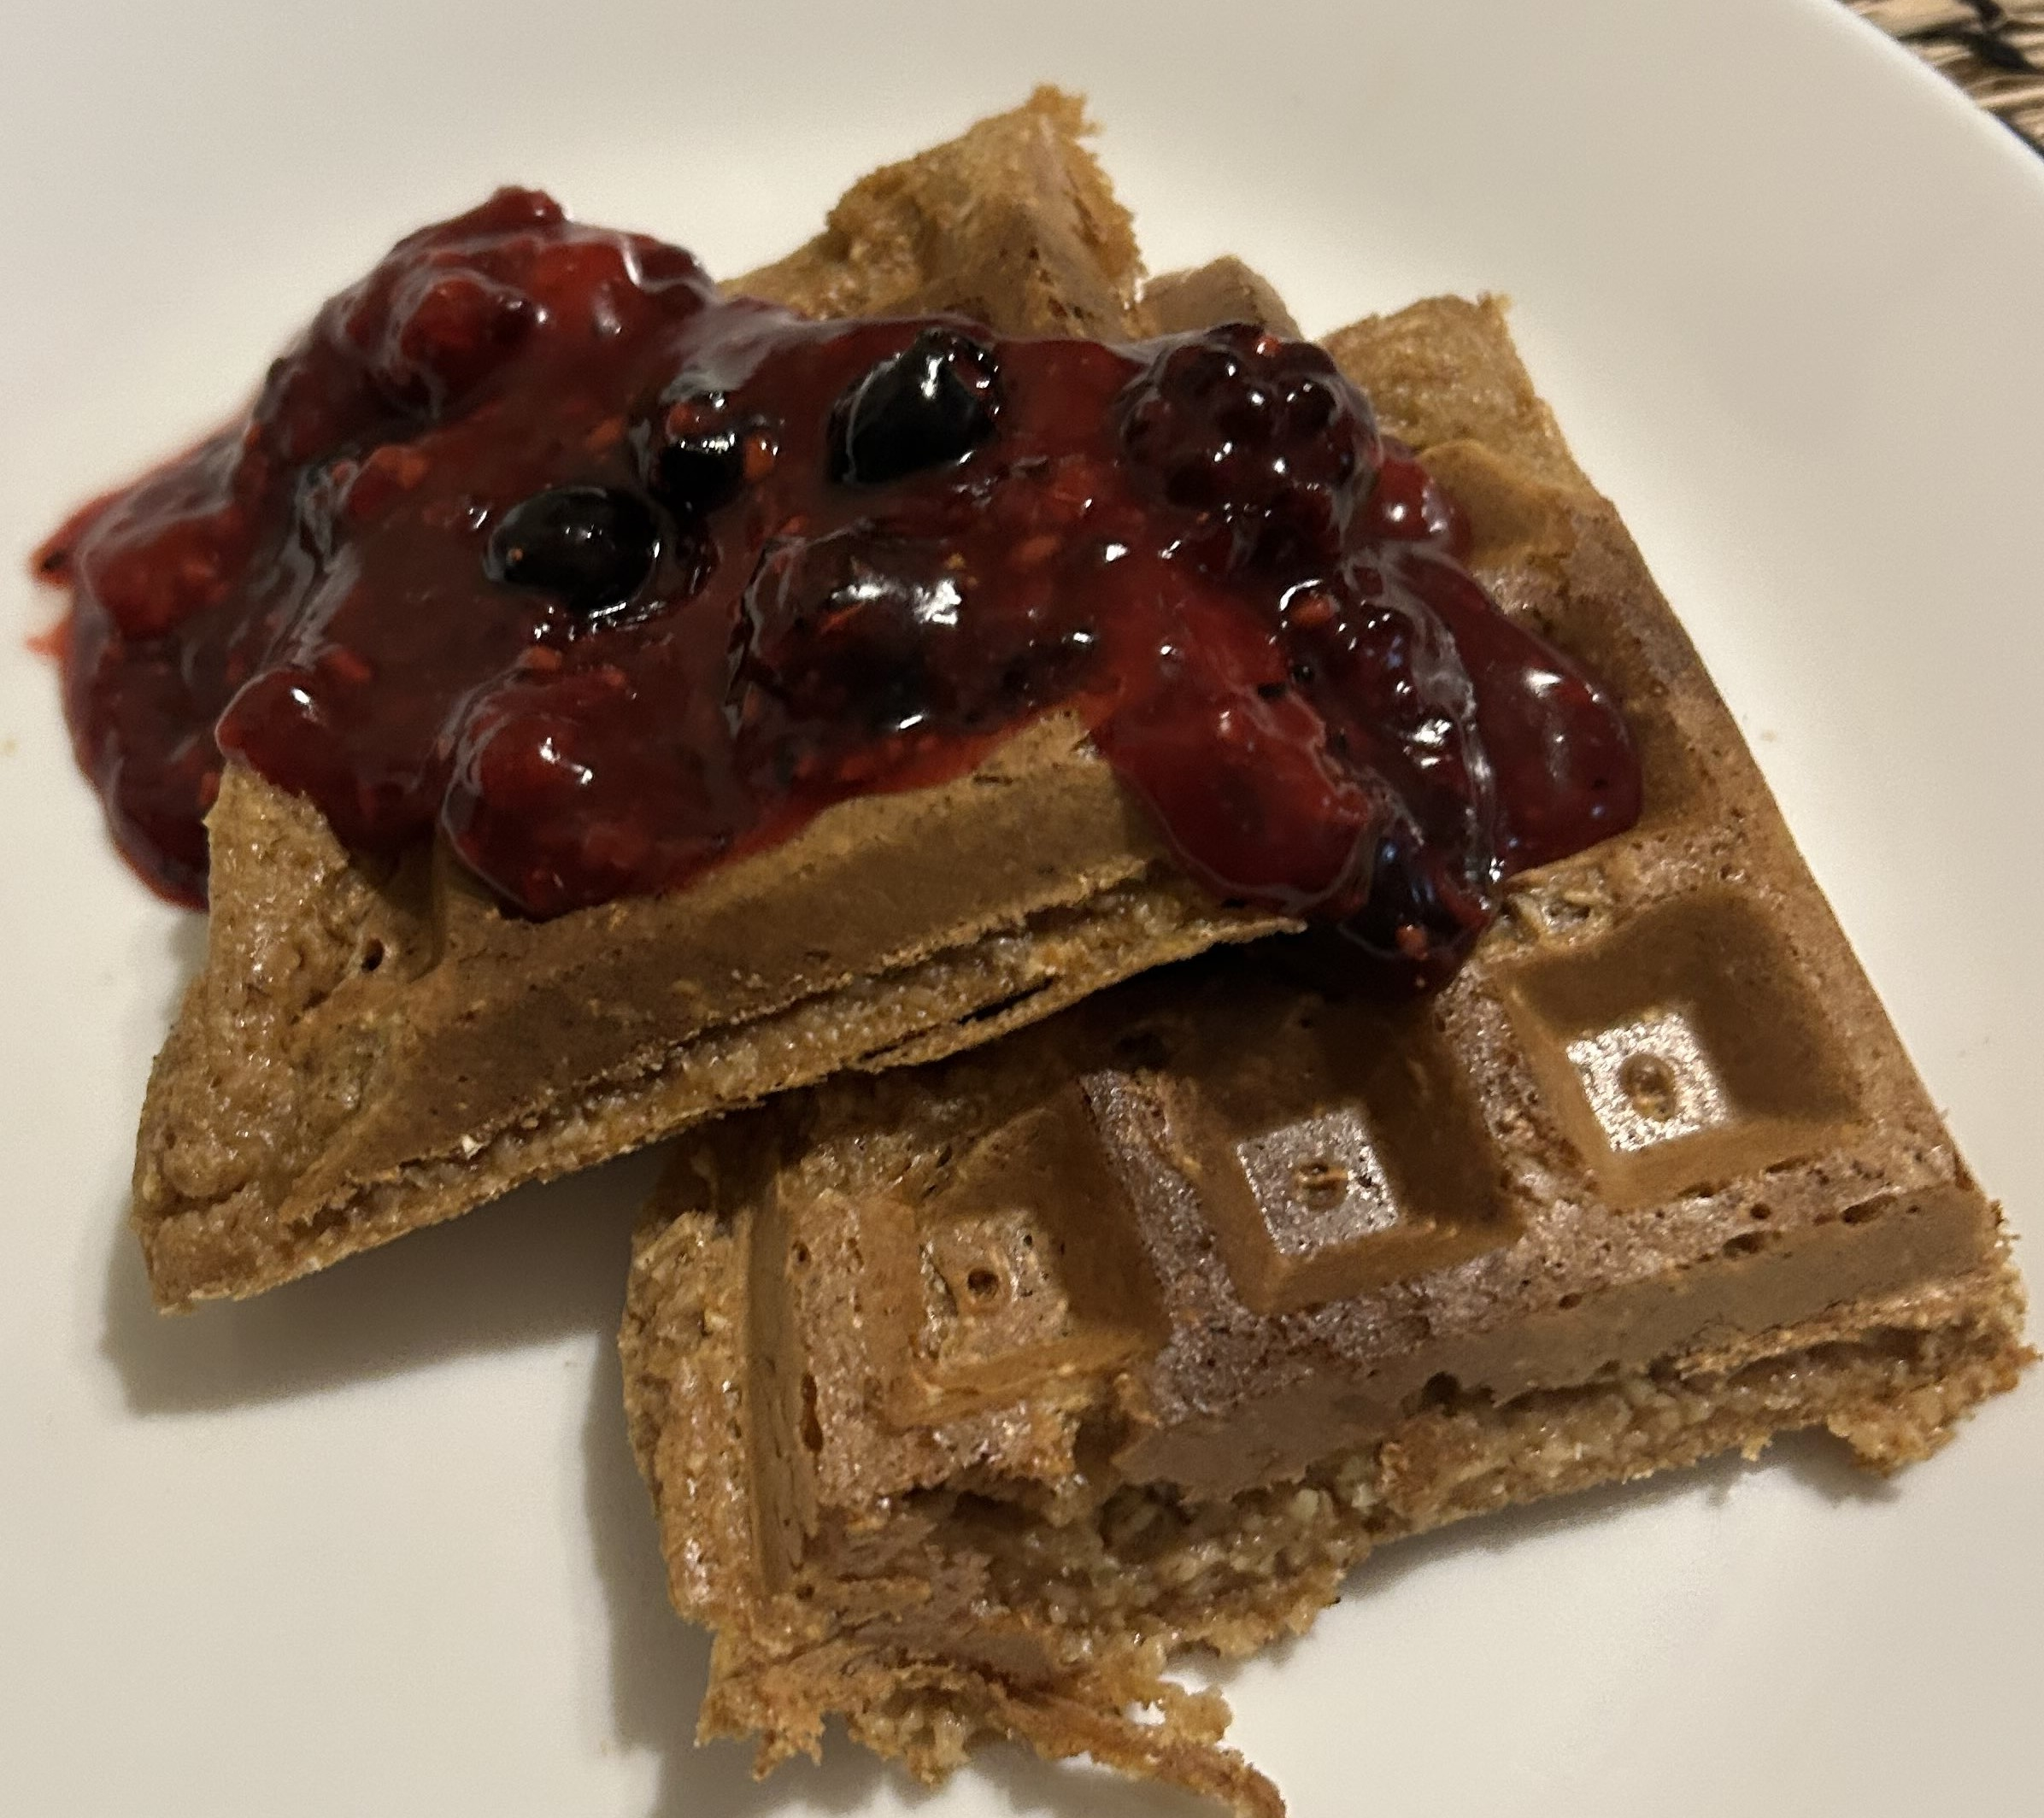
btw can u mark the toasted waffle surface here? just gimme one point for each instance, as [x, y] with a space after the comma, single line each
[1013, 223]
[968, 1394]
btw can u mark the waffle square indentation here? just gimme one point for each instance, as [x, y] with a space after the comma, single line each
[1318, 1183]
[1649, 1080]
[1687, 1049]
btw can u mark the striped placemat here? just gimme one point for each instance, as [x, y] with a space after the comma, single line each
[1994, 52]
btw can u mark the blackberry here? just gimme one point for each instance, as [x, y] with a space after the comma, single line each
[1262, 435]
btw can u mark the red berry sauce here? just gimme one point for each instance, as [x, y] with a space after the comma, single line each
[535, 540]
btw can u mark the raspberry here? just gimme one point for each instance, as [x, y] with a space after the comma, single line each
[449, 327]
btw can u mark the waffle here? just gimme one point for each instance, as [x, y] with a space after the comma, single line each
[969, 1395]
[370, 1049]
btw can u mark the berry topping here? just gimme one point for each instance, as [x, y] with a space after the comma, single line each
[445, 331]
[590, 547]
[456, 579]
[848, 629]
[1417, 912]
[879, 635]
[929, 405]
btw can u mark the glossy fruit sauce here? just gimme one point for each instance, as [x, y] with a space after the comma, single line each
[535, 541]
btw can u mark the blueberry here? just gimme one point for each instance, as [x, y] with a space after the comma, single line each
[590, 547]
[697, 474]
[703, 454]
[928, 405]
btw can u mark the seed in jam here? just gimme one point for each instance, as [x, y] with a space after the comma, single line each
[929, 405]
[1199, 547]
[590, 547]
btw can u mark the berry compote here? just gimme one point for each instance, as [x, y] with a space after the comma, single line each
[536, 541]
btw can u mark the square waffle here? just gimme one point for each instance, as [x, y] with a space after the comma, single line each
[969, 1395]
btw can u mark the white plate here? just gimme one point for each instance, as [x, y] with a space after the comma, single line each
[373, 1544]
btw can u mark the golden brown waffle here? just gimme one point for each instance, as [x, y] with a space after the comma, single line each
[969, 1394]
[367, 1051]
